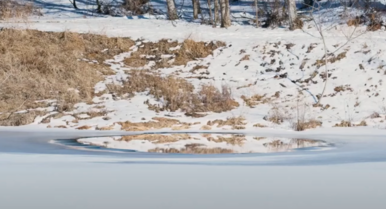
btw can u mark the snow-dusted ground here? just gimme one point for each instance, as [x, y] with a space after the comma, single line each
[279, 62]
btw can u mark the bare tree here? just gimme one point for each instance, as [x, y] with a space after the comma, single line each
[196, 8]
[318, 23]
[172, 11]
[225, 13]
[73, 2]
[257, 14]
[216, 12]
[210, 12]
[99, 6]
[292, 13]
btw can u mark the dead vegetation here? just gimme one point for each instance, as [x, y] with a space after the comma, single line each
[276, 115]
[16, 9]
[234, 122]
[155, 123]
[47, 65]
[18, 119]
[344, 123]
[302, 125]
[254, 100]
[331, 59]
[165, 53]
[182, 96]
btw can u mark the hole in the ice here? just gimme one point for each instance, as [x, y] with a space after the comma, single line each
[202, 143]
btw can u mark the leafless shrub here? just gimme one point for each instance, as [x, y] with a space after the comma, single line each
[137, 7]
[276, 115]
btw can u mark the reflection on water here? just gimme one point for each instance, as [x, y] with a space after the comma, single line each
[195, 144]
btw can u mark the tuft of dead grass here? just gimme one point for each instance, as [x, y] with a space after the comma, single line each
[234, 122]
[16, 9]
[302, 125]
[344, 123]
[181, 97]
[180, 53]
[156, 123]
[255, 100]
[18, 119]
[276, 115]
[48, 65]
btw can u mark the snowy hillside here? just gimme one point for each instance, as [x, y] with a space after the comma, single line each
[204, 78]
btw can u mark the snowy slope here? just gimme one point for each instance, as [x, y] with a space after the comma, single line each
[280, 62]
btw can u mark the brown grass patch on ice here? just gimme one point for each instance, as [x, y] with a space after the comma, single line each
[16, 9]
[37, 65]
[193, 149]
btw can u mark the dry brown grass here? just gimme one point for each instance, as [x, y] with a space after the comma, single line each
[105, 128]
[331, 59]
[177, 93]
[15, 9]
[85, 127]
[193, 149]
[344, 123]
[255, 100]
[302, 125]
[46, 65]
[18, 119]
[276, 115]
[258, 125]
[234, 122]
[156, 123]
[182, 53]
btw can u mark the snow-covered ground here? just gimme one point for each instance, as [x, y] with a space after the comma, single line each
[282, 66]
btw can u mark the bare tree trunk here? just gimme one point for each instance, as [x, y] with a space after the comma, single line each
[73, 2]
[225, 13]
[292, 13]
[216, 12]
[99, 6]
[172, 12]
[257, 14]
[196, 8]
[210, 12]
